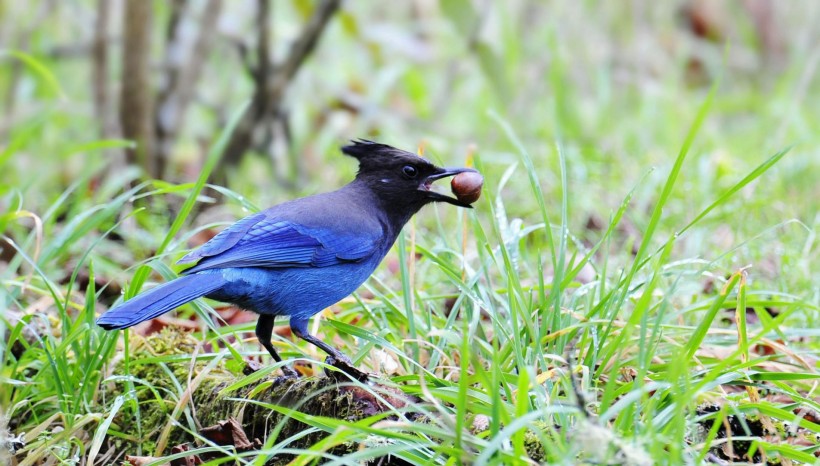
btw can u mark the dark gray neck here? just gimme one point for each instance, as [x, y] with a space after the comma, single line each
[393, 214]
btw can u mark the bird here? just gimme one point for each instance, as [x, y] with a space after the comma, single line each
[301, 256]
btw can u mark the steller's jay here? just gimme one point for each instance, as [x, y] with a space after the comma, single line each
[304, 255]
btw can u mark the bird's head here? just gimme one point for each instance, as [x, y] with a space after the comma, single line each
[399, 177]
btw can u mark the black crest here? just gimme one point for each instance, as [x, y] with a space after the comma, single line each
[372, 154]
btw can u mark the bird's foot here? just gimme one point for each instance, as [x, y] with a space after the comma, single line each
[253, 366]
[290, 372]
[345, 365]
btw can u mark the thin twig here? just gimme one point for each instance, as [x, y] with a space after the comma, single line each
[267, 99]
[303, 46]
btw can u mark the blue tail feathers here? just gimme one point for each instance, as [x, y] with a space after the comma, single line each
[159, 300]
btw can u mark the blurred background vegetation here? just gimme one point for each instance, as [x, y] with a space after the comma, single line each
[616, 83]
[99, 96]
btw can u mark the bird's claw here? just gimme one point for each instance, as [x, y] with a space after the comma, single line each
[250, 367]
[345, 365]
[290, 372]
[253, 366]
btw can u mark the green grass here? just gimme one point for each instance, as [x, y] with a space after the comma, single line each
[656, 238]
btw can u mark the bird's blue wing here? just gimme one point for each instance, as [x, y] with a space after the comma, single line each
[224, 240]
[267, 242]
[342, 246]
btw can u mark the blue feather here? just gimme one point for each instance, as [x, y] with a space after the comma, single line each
[224, 240]
[160, 299]
[282, 244]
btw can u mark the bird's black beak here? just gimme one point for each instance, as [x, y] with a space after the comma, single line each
[427, 184]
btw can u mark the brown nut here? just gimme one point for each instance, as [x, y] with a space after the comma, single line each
[467, 186]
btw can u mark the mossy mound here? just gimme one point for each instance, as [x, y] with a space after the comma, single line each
[167, 419]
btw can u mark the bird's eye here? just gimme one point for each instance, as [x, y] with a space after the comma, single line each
[410, 171]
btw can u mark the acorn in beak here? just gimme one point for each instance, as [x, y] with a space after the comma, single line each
[466, 186]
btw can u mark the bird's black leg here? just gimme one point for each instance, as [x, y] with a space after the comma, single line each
[264, 330]
[338, 359]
